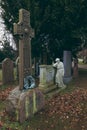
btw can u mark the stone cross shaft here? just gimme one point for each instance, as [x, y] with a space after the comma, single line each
[25, 33]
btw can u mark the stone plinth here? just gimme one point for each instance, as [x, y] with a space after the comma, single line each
[23, 105]
[46, 76]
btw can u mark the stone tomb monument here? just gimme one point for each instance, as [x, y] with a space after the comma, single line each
[7, 71]
[67, 67]
[22, 104]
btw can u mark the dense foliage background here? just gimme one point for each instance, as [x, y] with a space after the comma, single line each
[59, 24]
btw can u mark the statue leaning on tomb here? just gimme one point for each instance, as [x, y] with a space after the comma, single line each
[60, 73]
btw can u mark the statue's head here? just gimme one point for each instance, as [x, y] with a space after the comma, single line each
[57, 60]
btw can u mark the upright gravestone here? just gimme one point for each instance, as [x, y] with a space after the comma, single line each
[7, 71]
[67, 66]
[25, 32]
[75, 68]
[36, 66]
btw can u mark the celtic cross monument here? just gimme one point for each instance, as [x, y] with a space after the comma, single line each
[26, 33]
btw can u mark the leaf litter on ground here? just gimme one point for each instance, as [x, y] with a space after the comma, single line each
[71, 107]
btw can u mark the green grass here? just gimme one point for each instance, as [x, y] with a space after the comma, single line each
[2, 105]
[70, 87]
[40, 121]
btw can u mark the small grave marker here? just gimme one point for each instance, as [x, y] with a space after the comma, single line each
[7, 71]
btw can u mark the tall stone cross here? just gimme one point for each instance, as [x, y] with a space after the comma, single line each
[25, 32]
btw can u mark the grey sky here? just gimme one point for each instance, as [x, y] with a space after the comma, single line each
[2, 27]
[2, 31]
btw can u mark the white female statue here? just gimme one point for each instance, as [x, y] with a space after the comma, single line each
[60, 72]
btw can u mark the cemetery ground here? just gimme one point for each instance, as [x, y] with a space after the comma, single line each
[66, 110]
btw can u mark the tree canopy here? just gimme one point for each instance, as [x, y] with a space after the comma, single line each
[7, 51]
[59, 24]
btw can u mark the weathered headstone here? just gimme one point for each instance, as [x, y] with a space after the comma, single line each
[75, 68]
[25, 32]
[7, 71]
[37, 69]
[67, 66]
[36, 66]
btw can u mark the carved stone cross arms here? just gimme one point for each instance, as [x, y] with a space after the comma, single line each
[23, 28]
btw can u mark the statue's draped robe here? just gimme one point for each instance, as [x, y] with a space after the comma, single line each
[59, 74]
